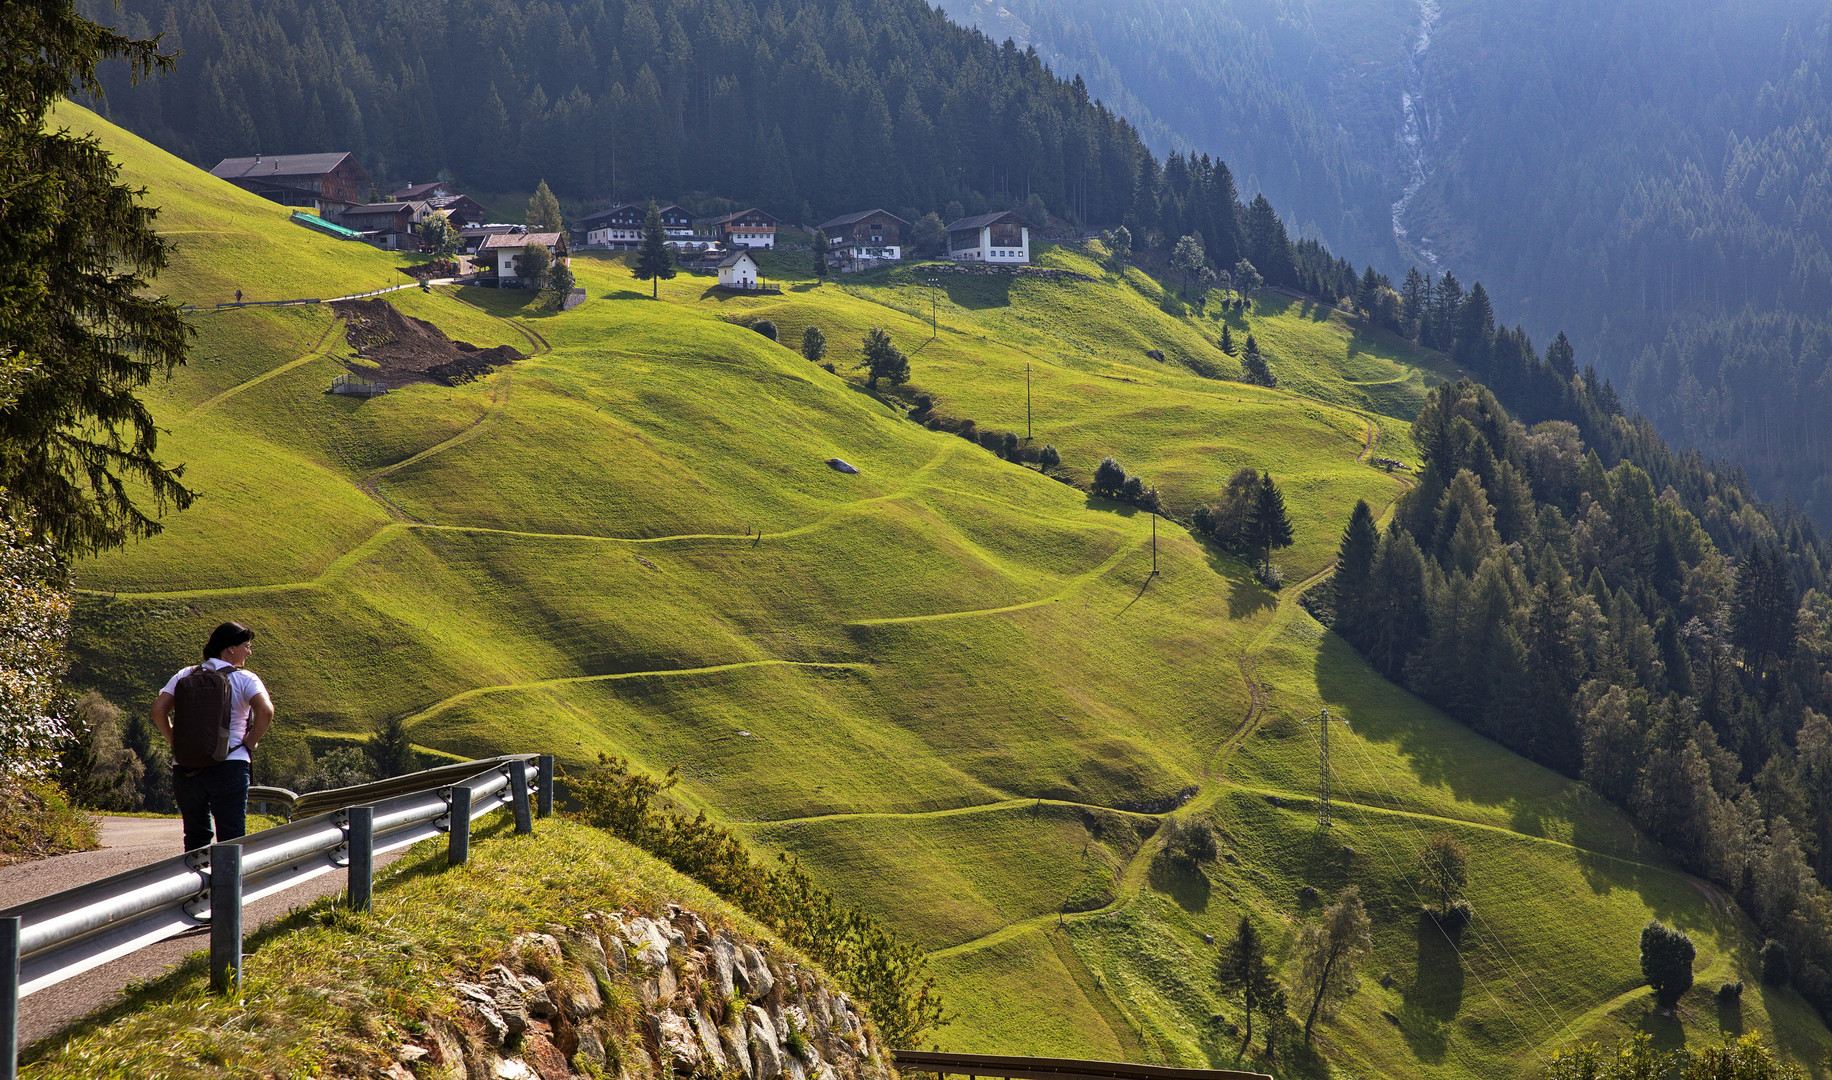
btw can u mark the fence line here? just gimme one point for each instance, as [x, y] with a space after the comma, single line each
[53, 938]
[461, 279]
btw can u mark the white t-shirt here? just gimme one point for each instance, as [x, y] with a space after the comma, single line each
[244, 686]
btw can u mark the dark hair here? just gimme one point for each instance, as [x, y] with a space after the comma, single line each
[226, 636]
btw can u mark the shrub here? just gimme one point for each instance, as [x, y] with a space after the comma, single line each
[340, 766]
[1133, 490]
[1776, 971]
[1189, 842]
[1012, 446]
[1109, 477]
[1270, 576]
[766, 328]
[1731, 992]
[969, 431]
[99, 769]
[1048, 458]
[924, 402]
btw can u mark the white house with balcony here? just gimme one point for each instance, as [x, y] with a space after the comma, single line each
[990, 238]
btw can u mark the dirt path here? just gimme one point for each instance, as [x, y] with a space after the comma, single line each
[127, 843]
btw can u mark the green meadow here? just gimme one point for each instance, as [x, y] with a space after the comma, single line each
[950, 685]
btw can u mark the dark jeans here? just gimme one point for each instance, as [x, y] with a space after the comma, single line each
[220, 792]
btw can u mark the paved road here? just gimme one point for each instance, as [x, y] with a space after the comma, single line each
[126, 843]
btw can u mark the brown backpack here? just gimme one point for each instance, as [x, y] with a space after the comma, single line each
[200, 717]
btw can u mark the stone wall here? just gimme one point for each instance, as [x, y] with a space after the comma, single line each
[631, 997]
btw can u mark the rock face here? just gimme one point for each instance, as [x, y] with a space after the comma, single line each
[636, 997]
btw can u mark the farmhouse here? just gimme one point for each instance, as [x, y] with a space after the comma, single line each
[504, 251]
[620, 227]
[861, 240]
[993, 238]
[738, 270]
[328, 183]
[389, 225]
[747, 228]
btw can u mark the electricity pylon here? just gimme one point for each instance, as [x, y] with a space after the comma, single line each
[1323, 720]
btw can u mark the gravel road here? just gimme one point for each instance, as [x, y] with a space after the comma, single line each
[126, 843]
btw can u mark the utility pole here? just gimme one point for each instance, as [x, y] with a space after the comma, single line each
[1154, 535]
[934, 284]
[1323, 720]
[1027, 402]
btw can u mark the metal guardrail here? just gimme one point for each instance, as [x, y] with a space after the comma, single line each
[1028, 1068]
[321, 802]
[53, 938]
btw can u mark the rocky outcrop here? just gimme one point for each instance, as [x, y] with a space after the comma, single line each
[635, 997]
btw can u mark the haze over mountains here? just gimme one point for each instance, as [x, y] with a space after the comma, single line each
[1638, 174]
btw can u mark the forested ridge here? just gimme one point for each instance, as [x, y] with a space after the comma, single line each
[1584, 617]
[1649, 177]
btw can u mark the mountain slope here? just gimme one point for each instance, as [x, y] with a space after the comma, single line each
[950, 684]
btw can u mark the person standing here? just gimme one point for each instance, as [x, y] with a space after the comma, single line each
[213, 715]
[238, 296]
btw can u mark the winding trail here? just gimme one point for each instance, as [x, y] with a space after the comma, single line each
[579, 680]
[317, 351]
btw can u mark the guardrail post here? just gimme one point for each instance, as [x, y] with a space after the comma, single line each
[9, 997]
[226, 918]
[518, 796]
[546, 801]
[458, 850]
[362, 857]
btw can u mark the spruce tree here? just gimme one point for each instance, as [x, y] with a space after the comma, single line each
[654, 261]
[1254, 366]
[1562, 357]
[543, 210]
[1354, 571]
[80, 328]
[390, 750]
[1269, 525]
[821, 248]
[1227, 339]
[1245, 975]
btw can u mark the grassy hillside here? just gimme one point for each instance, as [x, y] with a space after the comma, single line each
[948, 683]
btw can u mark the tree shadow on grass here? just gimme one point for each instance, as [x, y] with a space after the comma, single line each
[627, 294]
[1187, 885]
[1435, 997]
[977, 291]
[1730, 1017]
[1664, 1029]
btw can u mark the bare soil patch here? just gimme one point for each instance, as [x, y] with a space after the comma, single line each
[414, 350]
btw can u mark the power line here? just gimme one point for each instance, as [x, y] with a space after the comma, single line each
[1323, 720]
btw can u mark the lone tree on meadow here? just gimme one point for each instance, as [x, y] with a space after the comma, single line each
[1446, 868]
[1330, 952]
[883, 360]
[1666, 962]
[1246, 278]
[1227, 339]
[814, 344]
[1267, 523]
[654, 262]
[1244, 975]
[543, 210]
